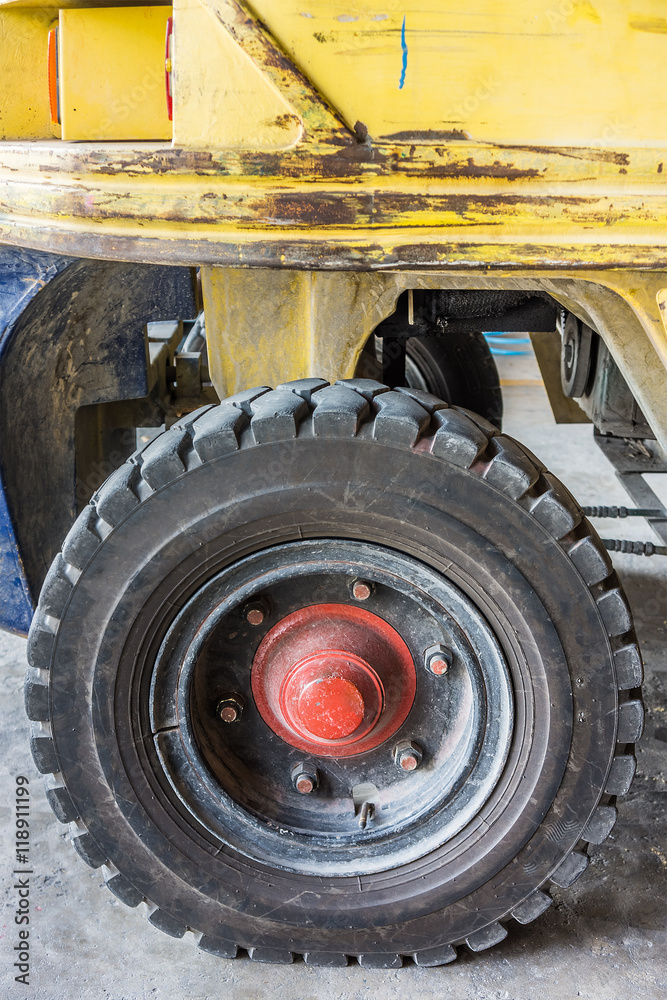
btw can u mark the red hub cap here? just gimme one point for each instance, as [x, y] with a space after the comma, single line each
[332, 695]
[331, 707]
[333, 679]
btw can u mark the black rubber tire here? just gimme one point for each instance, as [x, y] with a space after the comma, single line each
[354, 460]
[459, 368]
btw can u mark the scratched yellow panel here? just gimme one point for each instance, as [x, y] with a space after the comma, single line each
[24, 87]
[111, 71]
[548, 72]
[222, 99]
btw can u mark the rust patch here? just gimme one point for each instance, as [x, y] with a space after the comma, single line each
[161, 162]
[286, 120]
[361, 132]
[293, 211]
[604, 155]
[429, 136]
[355, 159]
[503, 171]
[349, 162]
[309, 255]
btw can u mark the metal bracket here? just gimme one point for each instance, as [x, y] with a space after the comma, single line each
[631, 459]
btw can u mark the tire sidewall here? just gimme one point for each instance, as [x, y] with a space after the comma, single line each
[448, 518]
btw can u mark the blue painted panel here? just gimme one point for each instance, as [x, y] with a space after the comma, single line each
[23, 273]
[15, 602]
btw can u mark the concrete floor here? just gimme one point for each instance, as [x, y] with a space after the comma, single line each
[604, 938]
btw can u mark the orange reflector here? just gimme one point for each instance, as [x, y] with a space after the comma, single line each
[53, 76]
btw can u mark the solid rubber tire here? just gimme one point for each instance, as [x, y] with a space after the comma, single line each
[401, 468]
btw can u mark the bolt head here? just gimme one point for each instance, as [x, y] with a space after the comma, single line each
[230, 709]
[304, 784]
[438, 659]
[407, 756]
[361, 590]
[304, 779]
[255, 615]
[438, 665]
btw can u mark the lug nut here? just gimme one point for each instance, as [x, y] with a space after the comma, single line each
[438, 659]
[256, 612]
[407, 756]
[361, 590]
[305, 779]
[304, 784]
[230, 709]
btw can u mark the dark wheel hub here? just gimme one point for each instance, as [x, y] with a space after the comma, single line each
[335, 690]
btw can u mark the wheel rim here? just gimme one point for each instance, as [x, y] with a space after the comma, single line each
[239, 779]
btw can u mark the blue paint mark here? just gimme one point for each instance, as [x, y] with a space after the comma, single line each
[404, 46]
[504, 344]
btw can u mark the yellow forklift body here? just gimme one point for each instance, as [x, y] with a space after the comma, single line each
[111, 77]
[427, 145]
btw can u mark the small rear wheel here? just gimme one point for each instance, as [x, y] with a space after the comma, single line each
[335, 671]
[456, 366]
[459, 368]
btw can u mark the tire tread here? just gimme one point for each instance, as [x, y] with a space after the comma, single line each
[402, 417]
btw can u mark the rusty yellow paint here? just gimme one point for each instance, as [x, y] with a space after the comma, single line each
[326, 157]
[419, 197]
[539, 72]
[237, 108]
[240, 22]
[267, 326]
[361, 204]
[24, 86]
[111, 73]
[336, 195]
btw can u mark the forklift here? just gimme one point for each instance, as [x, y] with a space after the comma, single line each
[321, 662]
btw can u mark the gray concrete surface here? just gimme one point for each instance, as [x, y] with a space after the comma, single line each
[604, 939]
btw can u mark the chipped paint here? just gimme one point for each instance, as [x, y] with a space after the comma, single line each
[454, 47]
[393, 198]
